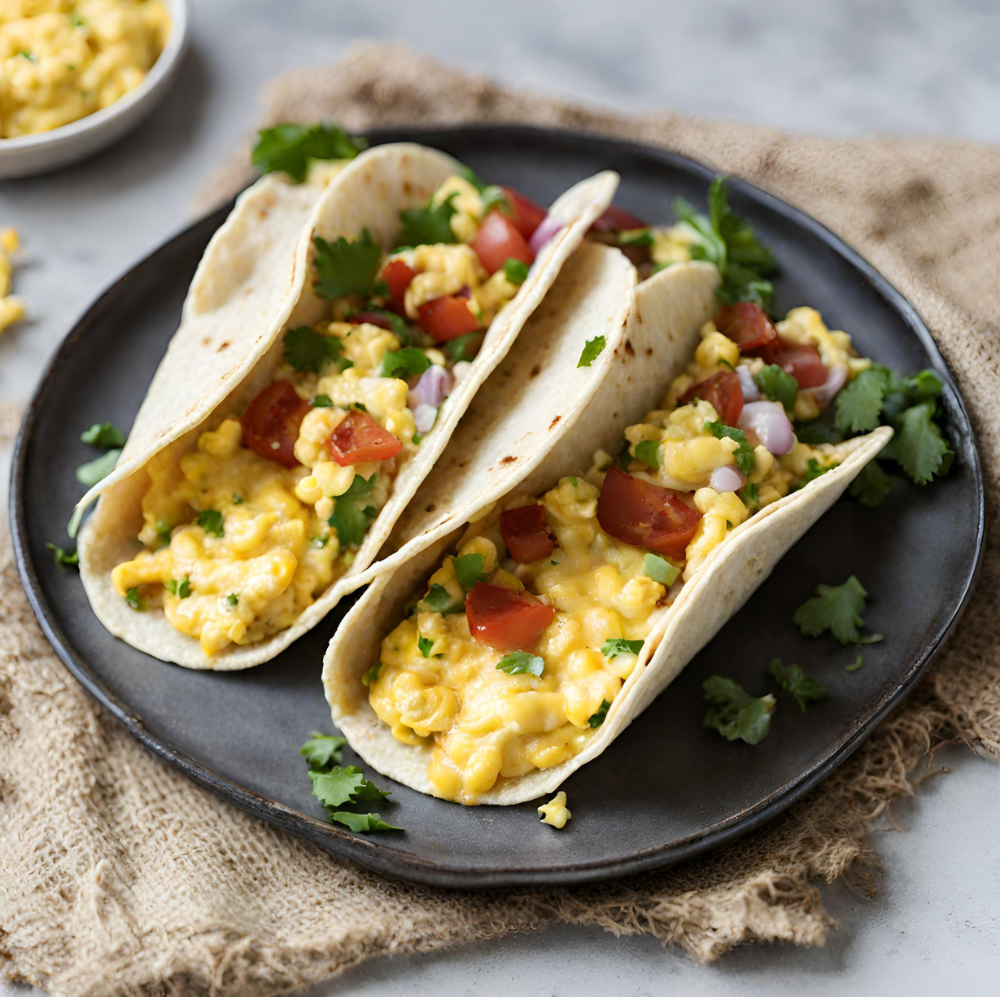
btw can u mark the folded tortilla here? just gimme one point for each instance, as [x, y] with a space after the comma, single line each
[661, 335]
[253, 283]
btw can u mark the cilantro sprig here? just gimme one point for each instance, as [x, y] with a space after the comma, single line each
[353, 511]
[469, 570]
[65, 559]
[104, 435]
[346, 267]
[743, 454]
[796, 683]
[404, 363]
[596, 719]
[521, 663]
[440, 600]
[211, 521]
[614, 646]
[734, 713]
[778, 385]
[289, 148]
[592, 349]
[306, 349]
[428, 225]
[836, 609]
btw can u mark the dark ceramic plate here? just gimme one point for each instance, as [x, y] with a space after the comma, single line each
[667, 789]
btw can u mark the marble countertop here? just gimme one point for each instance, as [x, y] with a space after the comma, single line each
[841, 68]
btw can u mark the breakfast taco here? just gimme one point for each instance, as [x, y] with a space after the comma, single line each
[500, 658]
[322, 362]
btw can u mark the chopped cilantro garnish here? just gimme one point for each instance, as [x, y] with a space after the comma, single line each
[65, 559]
[362, 822]
[649, 452]
[859, 405]
[178, 587]
[660, 570]
[749, 494]
[515, 271]
[574, 481]
[592, 350]
[795, 682]
[104, 435]
[322, 750]
[859, 662]
[404, 363]
[816, 431]
[428, 225]
[322, 401]
[464, 347]
[134, 600]
[339, 785]
[289, 148]
[872, 485]
[238, 500]
[614, 646]
[306, 349]
[425, 644]
[815, 469]
[521, 663]
[344, 267]
[836, 608]
[743, 454]
[469, 570]
[351, 513]
[440, 600]
[30, 56]
[371, 675]
[919, 446]
[734, 713]
[777, 385]
[319, 542]
[635, 237]
[233, 599]
[98, 469]
[416, 439]
[163, 530]
[211, 521]
[596, 719]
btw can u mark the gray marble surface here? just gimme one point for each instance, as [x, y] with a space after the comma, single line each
[838, 68]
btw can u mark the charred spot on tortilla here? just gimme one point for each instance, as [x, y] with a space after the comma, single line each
[223, 346]
[552, 424]
[508, 460]
[629, 349]
[535, 371]
[431, 507]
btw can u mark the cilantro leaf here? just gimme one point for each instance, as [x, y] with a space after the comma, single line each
[469, 570]
[515, 271]
[424, 644]
[134, 600]
[635, 237]
[614, 646]
[344, 267]
[288, 148]
[322, 750]
[233, 599]
[743, 454]
[97, 469]
[659, 569]
[859, 404]
[322, 401]
[464, 347]
[211, 521]
[816, 431]
[836, 608]
[795, 681]
[592, 350]
[650, 453]
[596, 719]
[306, 349]
[362, 822]
[918, 446]
[872, 485]
[859, 663]
[521, 663]
[351, 513]
[815, 469]
[371, 675]
[404, 363]
[440, 600]
[429, 225]
[104, 435]
[778, 385]
[734, 713]
[750, 495]
[63, 558]
[339, 785]
[178, 587]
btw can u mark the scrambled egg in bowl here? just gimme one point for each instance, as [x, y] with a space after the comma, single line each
[522, 640]
[61, 60]
[11, 308]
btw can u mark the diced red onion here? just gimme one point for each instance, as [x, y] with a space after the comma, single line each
[548, 227]
[826, 392]
[464, 293]
[727, 479]
[424, 417]
[433, 387]
[769, 422]
[751, 392]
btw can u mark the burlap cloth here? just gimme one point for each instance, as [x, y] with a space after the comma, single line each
[117, 876]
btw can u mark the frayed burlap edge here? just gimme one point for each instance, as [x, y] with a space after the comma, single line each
[119, 877]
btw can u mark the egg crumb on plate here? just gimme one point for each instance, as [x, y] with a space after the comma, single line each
[11, 308]
[555, 812]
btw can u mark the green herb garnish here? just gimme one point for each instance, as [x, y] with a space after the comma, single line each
[614, 646]
[635, 237]
[322, 750]
[859, 662]
[592, 350]
[404, 363]
[778, 385]
[290, 148]
[734, 713]
[464, 347]
[371, 675]
[134, 600]
[306, 349]
[104, 435]
[659, 569]
[65, 559]
[650, 453]
[743, 454]
[872, 485]
[322, 401]
[515, 271]
[469, 570]
[425, 645]
[795, 682]
[352, 513]
[440, 600]
[815, 469]
[429, 225]
[344, 267]
[596, 719]
[837, 609]
[211, 521]
[97, 469]
[178, 587]
[521, 663]
[233, 599]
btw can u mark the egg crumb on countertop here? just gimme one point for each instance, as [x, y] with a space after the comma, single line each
[555, 811]
[11, 308]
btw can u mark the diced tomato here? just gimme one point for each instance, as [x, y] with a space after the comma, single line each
[358, 437]
[447, 318]
[800, 360]
[506, 620]
[398, 275]
[527, 215]
[498, 240]
[724, 393]
[371, 318]
[617, 220]
[644, 514]
[747, 326]
[524, 533]
[271, 422]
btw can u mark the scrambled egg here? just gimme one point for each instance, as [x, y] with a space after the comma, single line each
[555, 811]
[11, 308]
[64, 59]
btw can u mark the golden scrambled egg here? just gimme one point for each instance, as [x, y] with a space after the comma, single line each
[555, 812]
[61, 60]
[438, 685]
[11, 308]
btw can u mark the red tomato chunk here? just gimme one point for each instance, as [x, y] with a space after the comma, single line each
[358, 437]
[398, 275]
[524, 533]
[447, 318]
[747, 326]
[498, 240]
[800, 360]
[527, 215]
[506, 620]
[617, 220]
[646, 515]
[724, 393]
[271, 422]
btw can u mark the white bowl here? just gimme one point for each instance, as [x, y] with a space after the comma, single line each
[31, 154]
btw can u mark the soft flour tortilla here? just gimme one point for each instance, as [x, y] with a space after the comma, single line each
[728, 577]
[254, 282]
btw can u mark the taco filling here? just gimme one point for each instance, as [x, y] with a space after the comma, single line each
[247, 527]
[518, 647]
